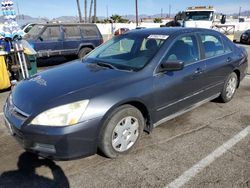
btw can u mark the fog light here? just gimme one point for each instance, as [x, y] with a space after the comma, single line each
[46, 148]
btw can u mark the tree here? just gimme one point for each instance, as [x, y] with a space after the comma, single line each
[85, 11]
[157, 20]
[90, 10]
[95, 18]
[79, 10]
[118, 19]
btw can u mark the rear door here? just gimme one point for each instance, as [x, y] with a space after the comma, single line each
[218, 59]
[177, 90]
[49, 41]
[72, 39]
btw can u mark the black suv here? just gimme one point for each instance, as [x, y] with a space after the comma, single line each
[64, 39]
[245, 37]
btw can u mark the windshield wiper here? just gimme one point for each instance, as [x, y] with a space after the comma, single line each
[102, 64]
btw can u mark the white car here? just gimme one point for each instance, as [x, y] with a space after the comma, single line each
[27, 27]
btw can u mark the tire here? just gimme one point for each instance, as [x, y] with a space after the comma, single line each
[230, 87]
[83, 52]
[115, 138]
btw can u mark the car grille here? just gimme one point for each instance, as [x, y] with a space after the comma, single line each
[19, 114]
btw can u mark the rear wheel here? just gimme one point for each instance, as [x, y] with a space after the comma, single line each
[83, 52]
[229, 88]
[121, 131]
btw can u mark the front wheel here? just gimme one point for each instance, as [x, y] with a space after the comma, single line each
[121, 131]
[229, 88]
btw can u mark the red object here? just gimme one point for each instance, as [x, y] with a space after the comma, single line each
[120, 31]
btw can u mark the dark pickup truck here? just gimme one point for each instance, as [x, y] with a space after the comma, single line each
[64, 39]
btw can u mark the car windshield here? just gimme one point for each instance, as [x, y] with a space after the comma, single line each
[128, 52]
[34, 31]
[199, 15]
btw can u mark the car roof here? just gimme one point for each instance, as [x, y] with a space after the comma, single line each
[67, 24]
[168, 30]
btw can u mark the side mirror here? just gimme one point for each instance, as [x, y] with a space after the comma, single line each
[40, 38]
[223, 19]
[171, 65]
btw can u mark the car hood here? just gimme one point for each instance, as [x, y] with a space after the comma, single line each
[46, 88]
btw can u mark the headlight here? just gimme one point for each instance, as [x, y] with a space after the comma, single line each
[68, 114]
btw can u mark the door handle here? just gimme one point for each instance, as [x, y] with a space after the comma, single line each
[198, 71]
[229, 59]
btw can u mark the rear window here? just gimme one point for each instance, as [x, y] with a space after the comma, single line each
[213, 45]
[89, 31]
[72, 32]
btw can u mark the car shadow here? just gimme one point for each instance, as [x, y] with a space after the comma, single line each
[26, 175]
[53, 61]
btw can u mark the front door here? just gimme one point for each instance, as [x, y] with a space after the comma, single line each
[50, 42]
[177, 90]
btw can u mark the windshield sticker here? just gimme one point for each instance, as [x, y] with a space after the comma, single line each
[39, 80]
[160, 37]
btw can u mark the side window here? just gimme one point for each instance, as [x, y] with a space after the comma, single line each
[227, 47]
[51, 33]
[213, 45]
[184, 49]
[72, 32]
[89, 31]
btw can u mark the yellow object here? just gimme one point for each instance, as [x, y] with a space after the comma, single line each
[4, 76]
[231, 37]
[28, 51]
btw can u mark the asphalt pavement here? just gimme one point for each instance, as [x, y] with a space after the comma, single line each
[207, 147]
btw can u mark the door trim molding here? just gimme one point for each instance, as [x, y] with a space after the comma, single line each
[185, 110]
[187, 97]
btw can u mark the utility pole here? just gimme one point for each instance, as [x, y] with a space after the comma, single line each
[18, 10]
[90, 11]
[136, 12]
[107, 9]
[94, 11]
[79, 10]
[239, 12]
[85, 11]
[170, 7]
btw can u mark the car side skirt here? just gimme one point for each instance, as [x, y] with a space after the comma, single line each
[186, 110]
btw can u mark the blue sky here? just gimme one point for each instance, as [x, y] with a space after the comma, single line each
[56, 8]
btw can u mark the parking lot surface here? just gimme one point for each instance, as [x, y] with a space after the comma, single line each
[207, 147]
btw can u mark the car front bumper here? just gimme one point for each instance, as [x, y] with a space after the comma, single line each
[59, 143]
